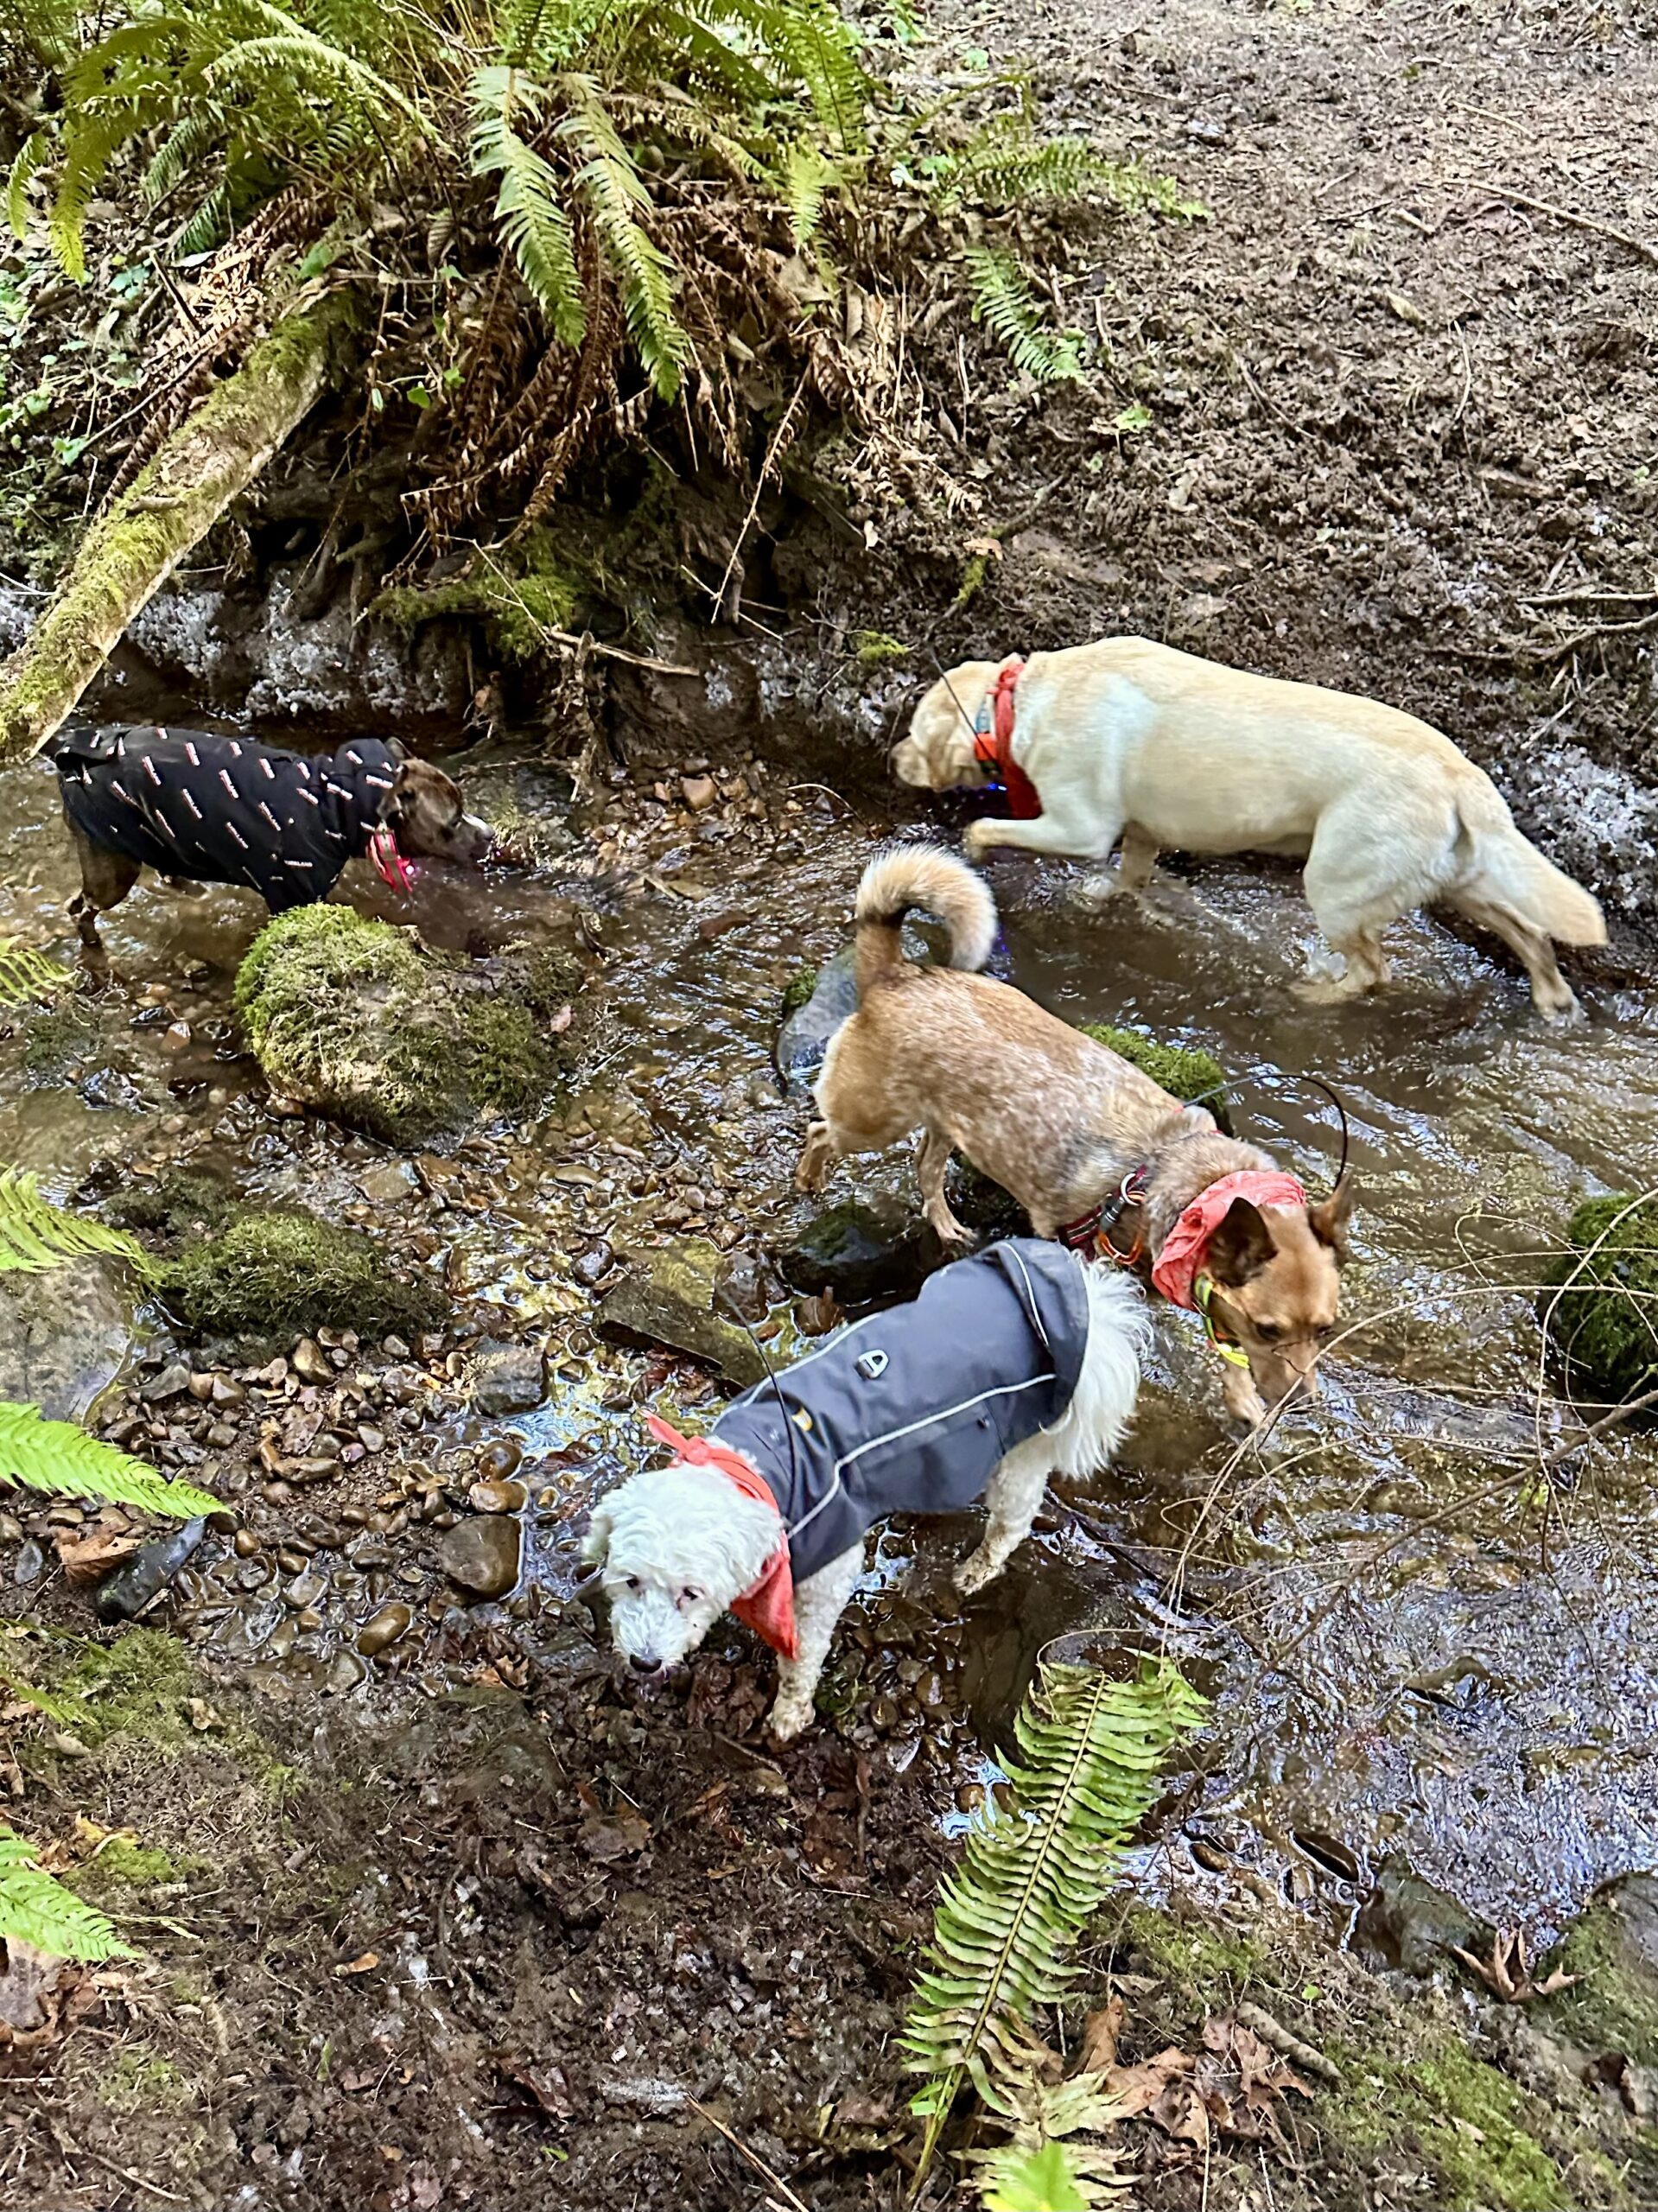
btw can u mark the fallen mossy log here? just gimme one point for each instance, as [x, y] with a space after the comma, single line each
[132, 549]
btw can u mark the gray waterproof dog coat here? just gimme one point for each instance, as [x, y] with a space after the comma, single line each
[912, 1410]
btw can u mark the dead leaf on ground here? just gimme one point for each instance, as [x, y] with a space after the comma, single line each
[1101, 2032]
[1507, 1971]
[365, 1964]
[41, 1996]
[617, 1835]
[87, 1558]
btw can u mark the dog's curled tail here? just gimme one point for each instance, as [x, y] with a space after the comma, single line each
[925, 876]
[1511, 867]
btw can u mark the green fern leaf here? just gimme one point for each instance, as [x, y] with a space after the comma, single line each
[35, 1235]
[1003, 301]
[27, 975]
[57, 1457]
[1031, 1878]
[615, 194]
[207, 222]
[808, 176]
[527, 208]
[184, 146]
[1044, 2180]
[31, 155]
[35, 1910]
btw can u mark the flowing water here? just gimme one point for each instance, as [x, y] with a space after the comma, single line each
[1412, 1647]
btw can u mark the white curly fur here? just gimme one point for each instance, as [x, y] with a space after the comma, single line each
[677, 1544]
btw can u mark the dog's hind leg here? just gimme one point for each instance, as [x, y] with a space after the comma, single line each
[1552, 995]
[932, 1165]
[1011, 1500]
[819, 1603]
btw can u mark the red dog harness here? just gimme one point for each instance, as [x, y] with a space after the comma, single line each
[992, 742]
[768, 1606]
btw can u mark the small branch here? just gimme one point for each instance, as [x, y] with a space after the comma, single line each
[781, 437]
[752, 2157]
[1613, 1419]
[1278, 2037]
[1647, 253]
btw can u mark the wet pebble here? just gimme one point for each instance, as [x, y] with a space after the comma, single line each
[498, 1497]
[383, 1629]
[502, 1458]
[303, 1591]
[125, 1593]
[482, 1555]
[346, 1673]
[227, 1392]
[310, 1361]
[970, 1796]
[591, 1265]
[172, 1383]
[29, 1565]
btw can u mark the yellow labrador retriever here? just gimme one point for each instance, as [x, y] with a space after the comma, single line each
[1132, 740]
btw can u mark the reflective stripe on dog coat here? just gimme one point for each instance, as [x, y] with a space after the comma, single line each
[224, 810]
[912, 1410]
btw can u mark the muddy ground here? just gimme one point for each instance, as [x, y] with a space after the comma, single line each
[471, 1920]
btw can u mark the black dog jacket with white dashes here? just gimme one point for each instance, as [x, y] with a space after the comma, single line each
[224, 810]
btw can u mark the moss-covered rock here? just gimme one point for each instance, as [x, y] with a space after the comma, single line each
[1184, 1070]
[178, 1205]
[355, 1017]
[267, 1273]
[1613, 1950]
[1416, 2090]
[1606, 1326]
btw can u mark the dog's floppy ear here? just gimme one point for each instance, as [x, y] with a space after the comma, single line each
[596, 1543]
[1328, 1222]
[1241, 1246]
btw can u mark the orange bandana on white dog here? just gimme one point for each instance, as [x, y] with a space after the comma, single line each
[767, 1607]
[1186, 1246]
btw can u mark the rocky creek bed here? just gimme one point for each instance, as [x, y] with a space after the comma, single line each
[434, 1908]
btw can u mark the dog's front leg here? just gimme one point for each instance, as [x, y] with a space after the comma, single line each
[819, 1603]
[1044, 833]
[1014, 1492]
[932, 1165]
[818, 1156]
[1243, 1401]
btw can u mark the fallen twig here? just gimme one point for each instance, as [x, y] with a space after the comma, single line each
[752, 2157]
[1647, 253]
[1280, 2039]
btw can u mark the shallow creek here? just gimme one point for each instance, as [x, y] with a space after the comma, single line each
[1405, 1655]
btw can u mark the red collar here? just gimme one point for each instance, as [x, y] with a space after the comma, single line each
[992, 742]
[767, 1607]
[383, 851]
[1186, 1248]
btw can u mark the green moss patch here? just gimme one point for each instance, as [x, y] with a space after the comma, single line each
[272, 1274]
[358, 1018]
[1184, 1071]
[1606, 1326]
[519, 603]
[1613, 1949]
[875, 648]
[1415, 2099]
[798, 989]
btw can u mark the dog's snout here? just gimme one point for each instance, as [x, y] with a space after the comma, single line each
[644, 1662]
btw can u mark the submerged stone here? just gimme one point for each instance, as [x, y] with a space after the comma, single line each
[1410, 1924]
[861, 1251]
[667, 1296]
[482, 1555]
[508, 1378]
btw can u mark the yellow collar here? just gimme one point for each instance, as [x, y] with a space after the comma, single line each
[1202, 1290]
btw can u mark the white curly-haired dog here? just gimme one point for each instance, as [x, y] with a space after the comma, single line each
[1019, 1362]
